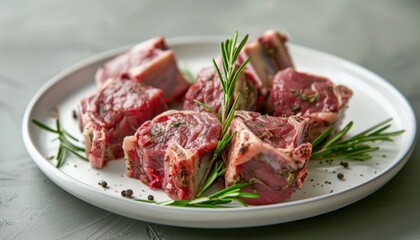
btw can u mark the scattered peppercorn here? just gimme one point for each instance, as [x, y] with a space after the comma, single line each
[129, 193]
[74, 114]
[123, 193]
[150, 197]
[103, 183]
[340, 176]
[344, 164]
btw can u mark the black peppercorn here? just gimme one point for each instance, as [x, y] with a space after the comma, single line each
[340, 176]
[150, 198]
[344, 164]
[123, 193]
[103, 184]
[129, 193]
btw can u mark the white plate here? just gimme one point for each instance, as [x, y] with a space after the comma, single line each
[374, 100]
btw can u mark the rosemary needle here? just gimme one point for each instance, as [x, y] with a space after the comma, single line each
[65, 140]
[216, 200]
[336, 146]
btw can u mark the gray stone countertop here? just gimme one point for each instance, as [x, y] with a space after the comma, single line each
[38, 39]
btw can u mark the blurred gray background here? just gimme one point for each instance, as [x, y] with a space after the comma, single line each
[40, 38]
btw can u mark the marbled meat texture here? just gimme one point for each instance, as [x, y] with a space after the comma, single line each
[302, 94]
[150, 63]
[115, 111]
[208, 90]
[171, 151]
[270, 152]
[268, 55]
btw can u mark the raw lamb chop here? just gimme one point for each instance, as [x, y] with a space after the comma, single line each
[115, 111]
[171, 151]
[270, 152]
[207, 89]
[308, 95]
[150, 63]
[268, 55]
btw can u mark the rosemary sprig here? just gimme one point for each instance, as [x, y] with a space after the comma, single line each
[331, 147]
[216, 172]
[65, 140]
[229, 52]
[215, 200]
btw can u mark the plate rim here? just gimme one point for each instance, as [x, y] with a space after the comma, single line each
[49, 169]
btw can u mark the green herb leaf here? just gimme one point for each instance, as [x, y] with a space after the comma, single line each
[208, 108]
[219, 199]
[65, 139]
[332, 147]
[313, 97]
[217, 171]
[43, 126]
[229, 53]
